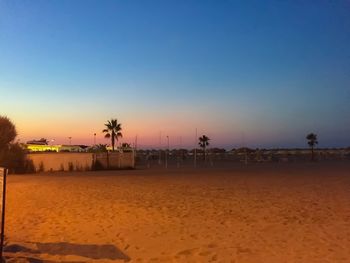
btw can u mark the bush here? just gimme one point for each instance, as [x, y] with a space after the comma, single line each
[97, 166]
[29, 166]
[41, 167]
[14, 158]
[12, 155]
[70, 167]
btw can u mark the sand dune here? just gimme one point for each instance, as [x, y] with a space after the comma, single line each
[263, 213]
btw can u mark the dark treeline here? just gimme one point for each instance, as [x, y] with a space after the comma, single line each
[243, 154]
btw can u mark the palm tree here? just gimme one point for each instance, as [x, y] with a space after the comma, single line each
[203, 143]
[113, 131]
[312, 141]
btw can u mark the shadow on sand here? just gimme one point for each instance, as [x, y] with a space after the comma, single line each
[63, 248]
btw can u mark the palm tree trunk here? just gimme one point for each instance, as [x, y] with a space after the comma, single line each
[113, 141]
[312, 153]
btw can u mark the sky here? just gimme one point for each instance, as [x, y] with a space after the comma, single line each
[245, 73]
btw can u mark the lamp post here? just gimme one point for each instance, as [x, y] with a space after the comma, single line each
[94, 138]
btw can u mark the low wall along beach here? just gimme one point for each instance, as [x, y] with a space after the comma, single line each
[116, 160]
[45, 162]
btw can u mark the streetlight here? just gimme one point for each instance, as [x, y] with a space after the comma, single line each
[94, 138]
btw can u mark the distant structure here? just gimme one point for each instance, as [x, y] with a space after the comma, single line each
[42, 145]
[42, 141]
[31, 147]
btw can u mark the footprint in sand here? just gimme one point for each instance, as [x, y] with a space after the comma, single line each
[204, 253]
[187, 252]
[212, 245]
[214, 258]
[243, 250]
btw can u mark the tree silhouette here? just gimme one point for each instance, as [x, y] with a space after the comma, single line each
[203, 143]
[126, 145]
[12, 155]
[100, 148]
[7, 132]
[113, 131]
[312, 141]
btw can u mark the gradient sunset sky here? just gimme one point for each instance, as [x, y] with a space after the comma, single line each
[255, 73]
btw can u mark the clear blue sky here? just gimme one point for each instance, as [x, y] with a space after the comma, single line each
[260, 73]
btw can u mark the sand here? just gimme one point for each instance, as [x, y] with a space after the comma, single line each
[260, 213]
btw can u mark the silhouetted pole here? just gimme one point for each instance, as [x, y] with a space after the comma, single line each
[160, 149]
[245, 151]
[182, 152]
[94, 138]
[70, 140]
[195, 150]
[167, 152]
[135, 149]
[107, 159]
[179, 158]
[3, 212]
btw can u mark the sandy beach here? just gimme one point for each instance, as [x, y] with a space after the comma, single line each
[259, 213]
